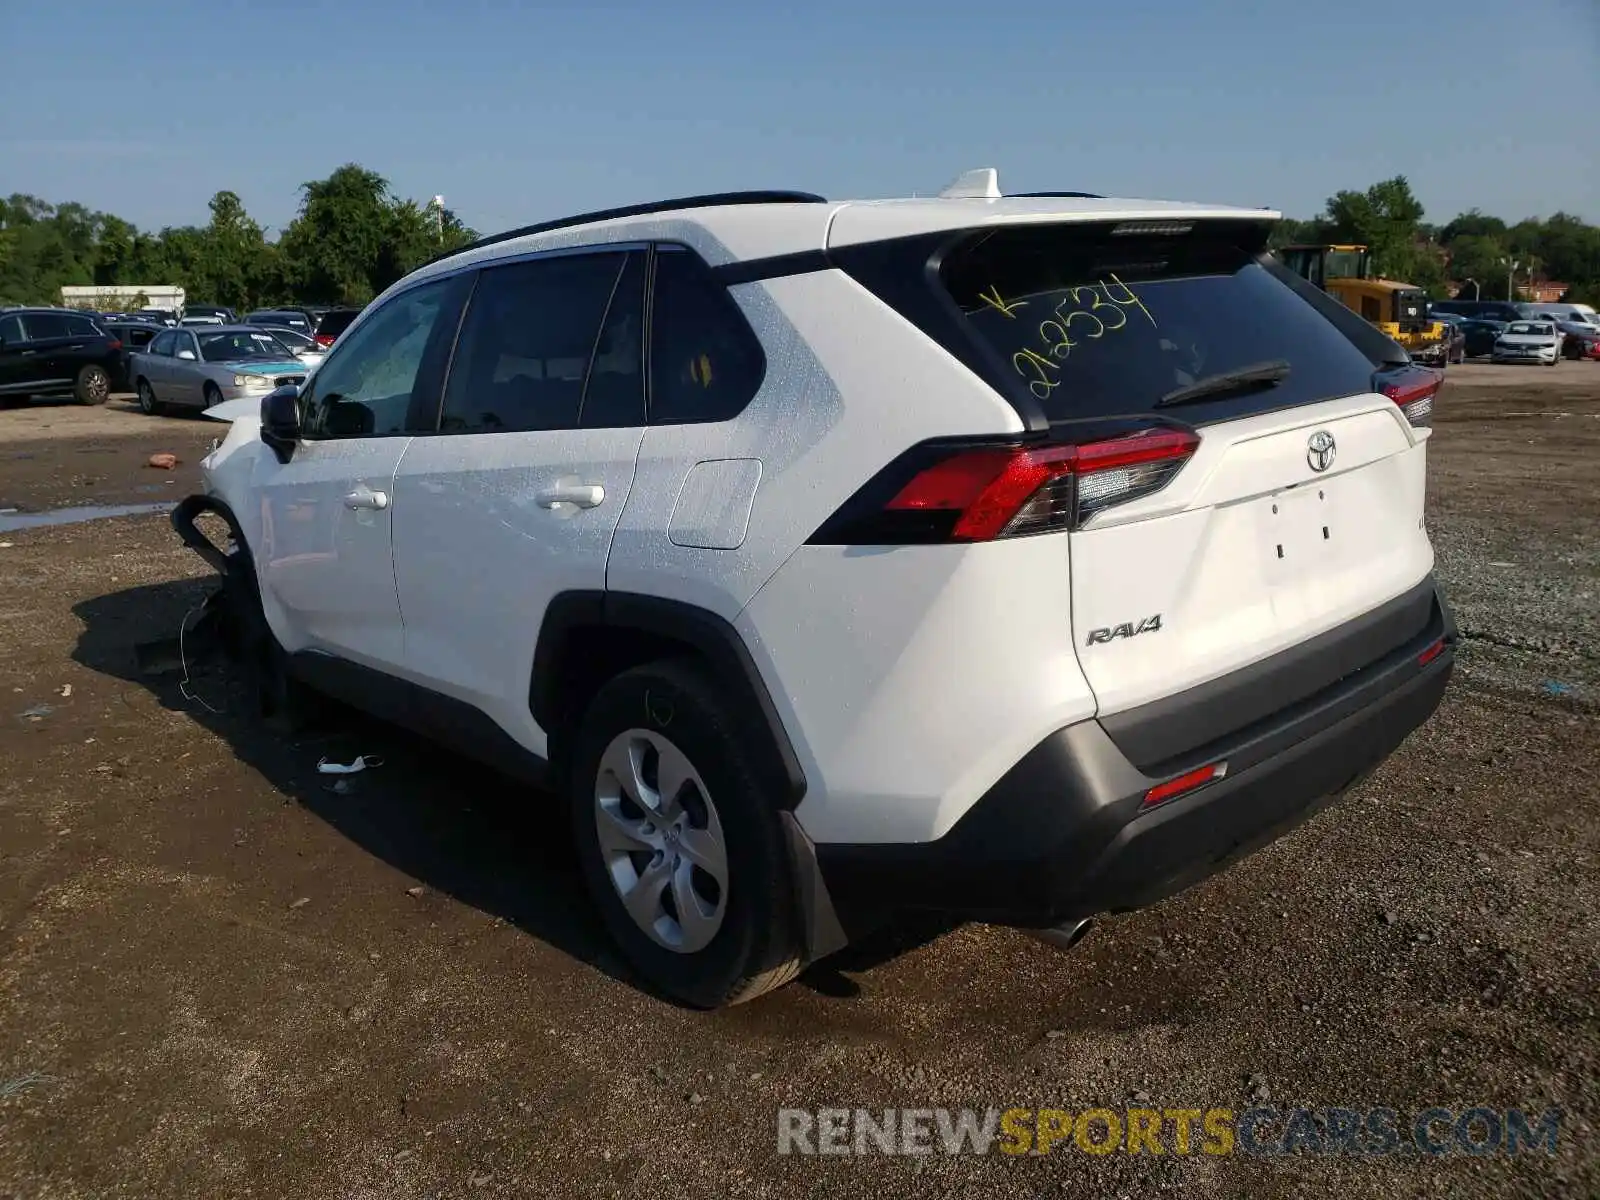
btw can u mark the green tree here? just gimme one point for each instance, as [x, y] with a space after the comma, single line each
[332, 249]
[1480, 258]
[1386, 218]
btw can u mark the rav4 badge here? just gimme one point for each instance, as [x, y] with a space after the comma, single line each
[1127, 629]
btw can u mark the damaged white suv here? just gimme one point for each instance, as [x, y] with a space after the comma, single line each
[1019, 558]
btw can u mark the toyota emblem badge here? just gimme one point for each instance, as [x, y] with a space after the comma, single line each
[1320, 450]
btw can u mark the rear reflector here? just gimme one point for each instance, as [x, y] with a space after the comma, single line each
[978, 494]
[1431, 653]
[1413, 389]
[1186, 782]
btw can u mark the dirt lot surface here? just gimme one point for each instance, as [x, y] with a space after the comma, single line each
[219, 979]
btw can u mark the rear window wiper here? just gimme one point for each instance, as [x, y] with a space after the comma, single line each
[1262, 374]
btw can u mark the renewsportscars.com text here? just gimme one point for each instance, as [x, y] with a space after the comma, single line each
[1181, 1131]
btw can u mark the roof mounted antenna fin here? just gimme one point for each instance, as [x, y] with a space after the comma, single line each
[981, 184]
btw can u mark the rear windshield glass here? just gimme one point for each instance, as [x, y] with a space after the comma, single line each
[1096, 324]
[335, 323]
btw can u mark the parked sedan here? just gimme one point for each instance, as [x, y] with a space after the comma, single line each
[282, 318]
[134, 336]
[306, 349]
[199, 368]
[1481, 333]
[1529, 341]
[1455, 337]
[1578, 338]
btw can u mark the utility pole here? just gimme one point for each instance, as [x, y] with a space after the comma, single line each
[437, 204]
[1511, 276]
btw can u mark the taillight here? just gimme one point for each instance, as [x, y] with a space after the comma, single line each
[980, 493]
[324, 340]
[1413, 389]
[115, 344]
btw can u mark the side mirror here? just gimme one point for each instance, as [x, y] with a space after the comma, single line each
[186, 355]
[280, 421]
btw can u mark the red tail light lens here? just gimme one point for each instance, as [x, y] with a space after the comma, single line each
[980, 493]
[115, 344]
[1413, 389]
[324, 340]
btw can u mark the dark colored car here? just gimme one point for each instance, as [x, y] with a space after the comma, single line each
[161, 316]
[1455, 337]
[134, 336]
[296, 319]
[54, 352]
[1494, 310]
[334, 322]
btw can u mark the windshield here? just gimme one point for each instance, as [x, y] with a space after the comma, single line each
[1094, 324]
[239, 346]
[1528, 327]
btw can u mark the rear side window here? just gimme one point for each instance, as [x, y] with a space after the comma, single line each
[136, 336]
[1094, 324]
[47, 325]
[82, 327]
[11, 329]
[705, 363]
[526, 344]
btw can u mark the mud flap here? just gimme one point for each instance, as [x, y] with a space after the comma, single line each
[821, 932]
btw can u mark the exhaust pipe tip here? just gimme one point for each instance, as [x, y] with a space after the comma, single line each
[1065, 937]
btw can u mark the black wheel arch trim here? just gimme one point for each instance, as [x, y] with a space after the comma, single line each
[183, 518]
[710, 635]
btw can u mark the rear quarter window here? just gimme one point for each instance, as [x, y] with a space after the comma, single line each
[1094, 324]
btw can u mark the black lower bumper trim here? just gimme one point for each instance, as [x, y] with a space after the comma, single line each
[1063, 835]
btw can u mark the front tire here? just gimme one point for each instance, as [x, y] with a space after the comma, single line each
[211, 394]
[681, 848]
[148, 404]
[93, 385]
[275, 696]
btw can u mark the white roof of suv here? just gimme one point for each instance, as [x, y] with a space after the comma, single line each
[735, 227]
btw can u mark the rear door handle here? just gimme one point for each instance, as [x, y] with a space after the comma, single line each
[582, 495]
[365, 497]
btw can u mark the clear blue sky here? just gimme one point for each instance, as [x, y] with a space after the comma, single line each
[522, 111]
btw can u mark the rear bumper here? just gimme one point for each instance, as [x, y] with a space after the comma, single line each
[1064, 835]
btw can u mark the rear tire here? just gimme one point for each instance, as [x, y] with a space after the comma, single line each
[93, 385]
[664, 767]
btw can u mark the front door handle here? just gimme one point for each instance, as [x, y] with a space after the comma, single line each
[582, 495]
[365, 497]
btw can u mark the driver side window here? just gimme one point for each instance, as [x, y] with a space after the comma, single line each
[365, 387]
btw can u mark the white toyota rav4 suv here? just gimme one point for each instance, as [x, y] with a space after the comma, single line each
[1019, 558]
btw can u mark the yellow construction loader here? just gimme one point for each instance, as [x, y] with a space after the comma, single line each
[1399, 310]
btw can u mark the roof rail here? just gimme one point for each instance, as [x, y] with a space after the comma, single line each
[710, 200]
[1062, 195]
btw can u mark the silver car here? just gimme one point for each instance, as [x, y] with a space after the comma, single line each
[304, 348]
[201, 367]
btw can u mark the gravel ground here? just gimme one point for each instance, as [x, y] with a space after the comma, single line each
[219, 979]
